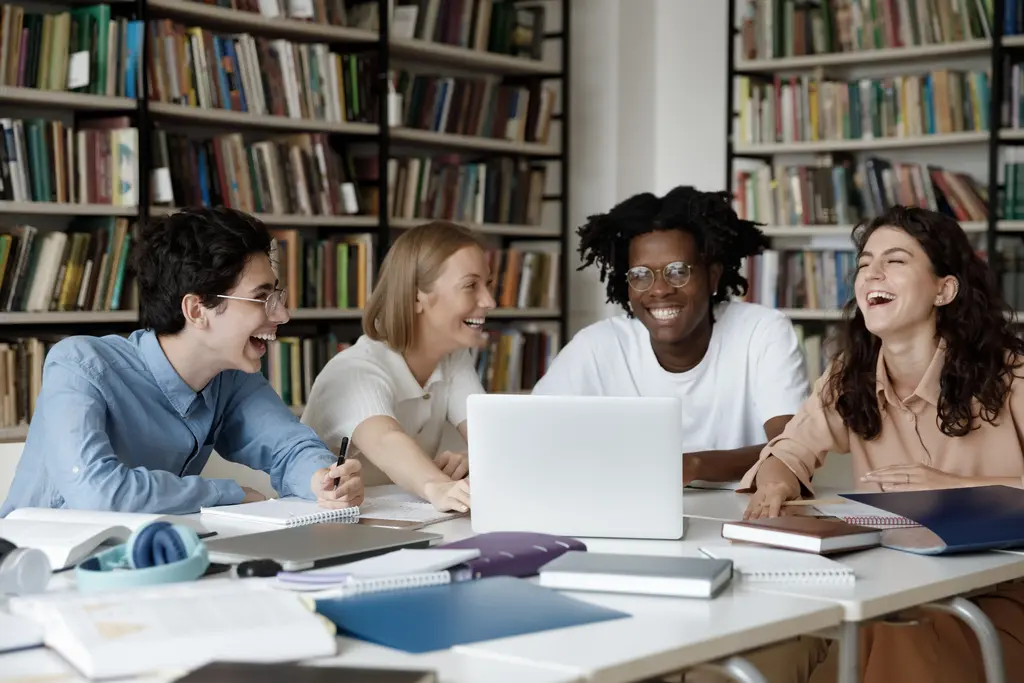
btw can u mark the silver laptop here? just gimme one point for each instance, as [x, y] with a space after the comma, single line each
[576, 465]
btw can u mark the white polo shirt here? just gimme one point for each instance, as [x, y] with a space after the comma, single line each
[753, 371]
[369, 379]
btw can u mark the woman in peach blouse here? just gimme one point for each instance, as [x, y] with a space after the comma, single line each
[923, 393]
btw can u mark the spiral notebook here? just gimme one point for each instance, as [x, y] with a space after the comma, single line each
[864, 515]
[289, 511]
[780, 566]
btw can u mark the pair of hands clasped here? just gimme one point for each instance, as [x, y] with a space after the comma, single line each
[776, 484]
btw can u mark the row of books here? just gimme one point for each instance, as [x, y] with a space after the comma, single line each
[806, 108]
[81, 50]
[21, 377]
[814, 279]
[782, 28]
[329, 272]
[479, 107]
[1009, 265]
[292, 363]
[1013, 185]
[83, 269]
[490, 25]
[817, 343]
[46, 161]
[196, 67]
[297, 174]
[500, 190]
[526, 275]
[514, 360]
[331, 12]
[837, 190]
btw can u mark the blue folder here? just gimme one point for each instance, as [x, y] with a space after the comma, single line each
[439, 617]
[953, 520]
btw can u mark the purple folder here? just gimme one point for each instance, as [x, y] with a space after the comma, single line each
[514, 553]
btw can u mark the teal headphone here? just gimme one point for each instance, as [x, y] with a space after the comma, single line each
[158, 552]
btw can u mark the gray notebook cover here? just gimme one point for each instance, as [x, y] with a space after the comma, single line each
[640, 567]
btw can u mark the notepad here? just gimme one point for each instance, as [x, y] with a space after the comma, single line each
[864, 515]
[392, 502]
[289, 511]
[780, 566]
[405, 568]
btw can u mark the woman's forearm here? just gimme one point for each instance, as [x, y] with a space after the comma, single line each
[398, 456]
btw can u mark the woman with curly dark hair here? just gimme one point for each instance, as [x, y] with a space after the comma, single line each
[923, 395]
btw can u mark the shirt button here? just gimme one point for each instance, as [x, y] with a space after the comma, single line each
[74, 470]
[426, 397]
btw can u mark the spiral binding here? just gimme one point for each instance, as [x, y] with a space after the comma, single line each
[324, 516]
[802, 576]
[390, 583]
[870, 520]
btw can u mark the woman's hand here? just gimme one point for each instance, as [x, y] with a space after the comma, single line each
[454, 465]
[915, 477]
[448, 495]
[349, 491]
[776, 484]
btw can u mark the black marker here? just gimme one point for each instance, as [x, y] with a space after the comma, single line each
[341, 458]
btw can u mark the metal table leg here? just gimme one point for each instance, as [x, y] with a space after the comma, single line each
[736, 668]
[849, 652]
[988, 637]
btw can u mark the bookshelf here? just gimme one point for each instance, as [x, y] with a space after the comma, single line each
[824, 105]
[368, 133]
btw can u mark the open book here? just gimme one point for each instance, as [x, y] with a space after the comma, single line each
[178, 626]
[69, 536]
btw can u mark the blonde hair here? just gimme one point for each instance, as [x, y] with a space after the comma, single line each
[412, 264]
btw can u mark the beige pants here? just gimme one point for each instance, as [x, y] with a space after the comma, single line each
[789, 662]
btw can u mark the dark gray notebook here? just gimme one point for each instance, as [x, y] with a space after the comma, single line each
[684, 577]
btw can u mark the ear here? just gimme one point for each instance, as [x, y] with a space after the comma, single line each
[421, 301]
[194, 311]
[714, 276]
[949, 289]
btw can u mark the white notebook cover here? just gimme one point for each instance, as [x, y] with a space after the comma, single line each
[288, 511]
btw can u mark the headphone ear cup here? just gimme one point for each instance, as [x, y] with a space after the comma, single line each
[160, 543]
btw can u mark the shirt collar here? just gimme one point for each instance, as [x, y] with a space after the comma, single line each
[927, 389]
[178, 393]
[406, 385]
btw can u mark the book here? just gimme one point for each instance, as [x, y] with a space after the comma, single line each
[772, 565]
[247, 672]
[18, 633]
[404, 568]
[864, 515]
[513, 553]
[682, 577]
[391, 502]
[951, 521]
[69, 536]
[177, 626]
[808, 534]
[440, 617]
[289, 511]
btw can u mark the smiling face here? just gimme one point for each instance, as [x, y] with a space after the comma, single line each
[451, 315]
[671, 314]
[896, 286]
[238, 331]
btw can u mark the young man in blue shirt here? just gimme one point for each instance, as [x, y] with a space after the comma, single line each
[128, 424]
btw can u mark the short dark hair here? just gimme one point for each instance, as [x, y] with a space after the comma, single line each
[722, 237]
[983, 352]
[193, 251]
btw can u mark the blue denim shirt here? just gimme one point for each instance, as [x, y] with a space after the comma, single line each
[116, 428]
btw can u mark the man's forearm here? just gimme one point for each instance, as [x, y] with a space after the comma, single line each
[720, 465]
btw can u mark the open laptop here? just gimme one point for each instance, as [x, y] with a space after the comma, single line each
[576, 465]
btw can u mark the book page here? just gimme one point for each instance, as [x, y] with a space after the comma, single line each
[392, 502]
[131, 520]
[63, 544]
[281, 511]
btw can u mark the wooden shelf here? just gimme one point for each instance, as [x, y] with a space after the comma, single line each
[13, 434]
[523, 313]
[971, 227]
[211, 16]
[465, 58]
[64, 99]
[1013, 41]
[812, 314]
[60, 209]
[1010, 226]
[968, 138]
[68, 317]
[291, 220]
[325, 313]
[509, 230]
[235, 119]
[470, 142]
[866, 57]
[1011, 134]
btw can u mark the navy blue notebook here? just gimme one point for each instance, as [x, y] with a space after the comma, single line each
[952, 520]
[439, 617]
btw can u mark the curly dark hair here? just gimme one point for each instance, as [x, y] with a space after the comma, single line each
[982, 350]
[722, 237]
[193, 251]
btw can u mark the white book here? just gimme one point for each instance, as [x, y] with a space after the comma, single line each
[288, 511]
[69, 536]
[178, 626]
[780, 566]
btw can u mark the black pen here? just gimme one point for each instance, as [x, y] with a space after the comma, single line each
[341, 458]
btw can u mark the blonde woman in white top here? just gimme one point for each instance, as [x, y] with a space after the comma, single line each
[411, 372]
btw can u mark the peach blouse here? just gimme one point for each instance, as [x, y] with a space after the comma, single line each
[909, 435]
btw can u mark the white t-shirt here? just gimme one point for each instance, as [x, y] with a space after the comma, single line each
[369, 379]
[753, 371]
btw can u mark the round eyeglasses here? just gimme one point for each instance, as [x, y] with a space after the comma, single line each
[274, 302]
[641, 278]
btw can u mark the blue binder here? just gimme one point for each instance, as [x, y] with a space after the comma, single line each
[953, 520]
[439, 617]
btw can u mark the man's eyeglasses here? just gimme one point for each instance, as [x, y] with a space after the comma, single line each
[274, 302]
[641, 278]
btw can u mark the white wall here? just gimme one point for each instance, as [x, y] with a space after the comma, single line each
[648, 89]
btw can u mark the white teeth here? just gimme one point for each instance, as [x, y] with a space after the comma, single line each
[880, 296]
[266, 336]
[474, 322]
[665, 313]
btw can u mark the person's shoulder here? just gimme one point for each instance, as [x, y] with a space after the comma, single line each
[94, 355]
[365, 355]
[747, 314]
[613, 330]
